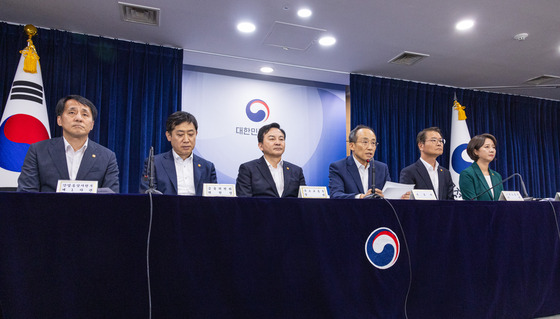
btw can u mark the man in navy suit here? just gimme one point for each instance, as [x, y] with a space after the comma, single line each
[270, 176]
[70, 157]
[180, 171]
[426, 173]
[351, 177]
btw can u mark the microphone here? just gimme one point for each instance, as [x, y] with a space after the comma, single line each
[372, 176]
[148, 166]
[523, 189]
[151, 174]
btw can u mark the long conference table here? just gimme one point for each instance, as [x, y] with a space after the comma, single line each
[86, 256]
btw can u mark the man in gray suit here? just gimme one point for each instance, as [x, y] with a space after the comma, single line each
[70, 157]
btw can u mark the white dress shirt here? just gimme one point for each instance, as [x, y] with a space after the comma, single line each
[277, 175]
[432, 172]
[74, 158]
[363, 170]
[489, 181]
[185, 174]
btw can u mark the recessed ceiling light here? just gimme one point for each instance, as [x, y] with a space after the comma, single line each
[267, 69]
[246, 27]
[304, 13]
[327, 40]
[464, 25]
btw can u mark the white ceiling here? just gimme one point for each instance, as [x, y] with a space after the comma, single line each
[369, 33]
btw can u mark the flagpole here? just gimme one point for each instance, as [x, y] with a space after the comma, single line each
[460, 137]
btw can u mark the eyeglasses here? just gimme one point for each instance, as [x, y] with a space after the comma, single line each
[435, 141]
[367, 143]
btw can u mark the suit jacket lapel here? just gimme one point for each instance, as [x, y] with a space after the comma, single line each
[196, 172]
[353, 171]
[495, 181]
[423, 172]
[58, 156]
[265, 172]
[441, 182]
[87, 161]
[287, 176]
[168, 164]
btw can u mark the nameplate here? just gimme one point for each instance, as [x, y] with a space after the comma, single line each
[218, 190]
[313, 192]
[557, 196]
[67, 186]
[511, 196]
[423, 194]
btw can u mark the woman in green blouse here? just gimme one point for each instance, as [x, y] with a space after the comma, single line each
[478, 178]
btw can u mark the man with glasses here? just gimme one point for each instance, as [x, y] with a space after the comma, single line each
[426, 173]
[353, 176]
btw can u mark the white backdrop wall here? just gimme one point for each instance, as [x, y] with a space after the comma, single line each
[230, 110]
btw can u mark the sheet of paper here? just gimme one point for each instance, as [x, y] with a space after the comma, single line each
[393, 190]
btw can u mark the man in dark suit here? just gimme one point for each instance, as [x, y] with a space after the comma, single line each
[70, 157]
[426, 173]
[352, 176]
[180, 171]
[270, 176]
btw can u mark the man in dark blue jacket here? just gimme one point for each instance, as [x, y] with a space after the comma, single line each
[73, 156]
[352, 176]
[180, 171]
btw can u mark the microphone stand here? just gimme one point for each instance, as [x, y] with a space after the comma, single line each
[372, 176]
[526, 196]
[151, 174]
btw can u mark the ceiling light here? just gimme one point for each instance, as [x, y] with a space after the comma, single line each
[464, 25]
[327, 40]
[246, 27]
[304, 13]
[267, 69]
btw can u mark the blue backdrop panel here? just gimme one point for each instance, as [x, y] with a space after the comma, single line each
[230, 108]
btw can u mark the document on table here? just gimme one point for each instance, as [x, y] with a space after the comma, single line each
[393, 190]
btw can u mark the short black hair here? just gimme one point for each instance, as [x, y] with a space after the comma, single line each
[477, 142]
[263, 130]
[421, 137]
[78, 98]
[352, 136]
[178, 118]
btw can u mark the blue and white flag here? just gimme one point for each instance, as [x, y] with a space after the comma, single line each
[25, 119]
[460, 137]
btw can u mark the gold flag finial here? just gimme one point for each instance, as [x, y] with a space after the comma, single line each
[30, 53]
[30, 30]
[461, 110]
